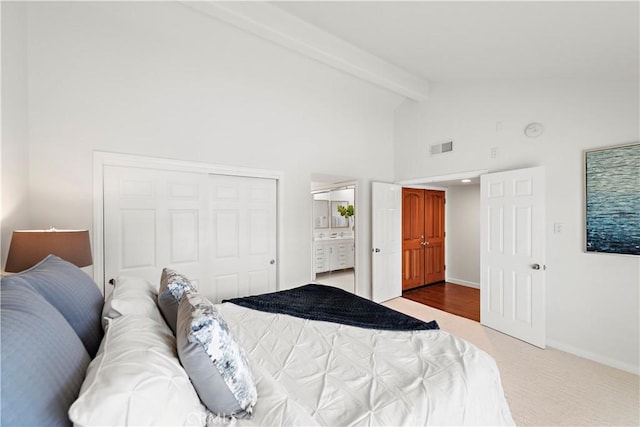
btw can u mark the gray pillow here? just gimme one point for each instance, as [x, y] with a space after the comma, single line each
[215, 362]
[172, 286]
[72, 292]
[43, 360]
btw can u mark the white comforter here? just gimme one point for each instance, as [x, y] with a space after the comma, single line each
[320, 373]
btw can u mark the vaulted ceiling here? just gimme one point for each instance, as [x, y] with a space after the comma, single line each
[452, 40]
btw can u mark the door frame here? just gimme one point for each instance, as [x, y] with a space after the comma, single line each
[356, 213]
[431, 183]
[101, 159]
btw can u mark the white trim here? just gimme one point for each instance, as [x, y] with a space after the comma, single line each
[441, 178]
[463, 282]
[280, 27]
[102, 159]
[339, 186]
[634, 369]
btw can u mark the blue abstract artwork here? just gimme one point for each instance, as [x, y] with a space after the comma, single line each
[613, 200]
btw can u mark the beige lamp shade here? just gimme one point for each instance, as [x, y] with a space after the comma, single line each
[29, 247]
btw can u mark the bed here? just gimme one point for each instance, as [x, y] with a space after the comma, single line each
[313, 355]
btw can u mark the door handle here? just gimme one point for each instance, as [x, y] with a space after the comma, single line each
[273, 261]
[424, 243]
[375, 250]
[536, 266]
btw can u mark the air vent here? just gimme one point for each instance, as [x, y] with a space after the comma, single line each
[445, 147]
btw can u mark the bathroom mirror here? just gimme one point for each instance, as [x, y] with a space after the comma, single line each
[320, 213]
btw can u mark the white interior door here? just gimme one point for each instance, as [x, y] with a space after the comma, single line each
[154, 219]
[386, 207]
[243, 236]
[218, 230]
[512, 255]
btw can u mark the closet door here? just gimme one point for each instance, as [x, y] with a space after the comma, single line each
[242, 215]
[154, 219]
[218, 230]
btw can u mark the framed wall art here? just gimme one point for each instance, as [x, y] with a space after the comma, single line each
[612, 193]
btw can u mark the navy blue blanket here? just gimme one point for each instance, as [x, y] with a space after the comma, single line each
[320, 302]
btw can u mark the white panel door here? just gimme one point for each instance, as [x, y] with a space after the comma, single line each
[512, 256]
[154, 219]
[386, 207]
[243, 237]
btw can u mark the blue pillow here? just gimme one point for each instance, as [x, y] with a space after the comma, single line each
[43, 360]
[72, 292]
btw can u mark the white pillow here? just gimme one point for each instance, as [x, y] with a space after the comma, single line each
[136, 379]
[131, 295]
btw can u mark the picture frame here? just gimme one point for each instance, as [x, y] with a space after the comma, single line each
[612, 199]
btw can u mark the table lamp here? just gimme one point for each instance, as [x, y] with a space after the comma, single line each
[29, 247]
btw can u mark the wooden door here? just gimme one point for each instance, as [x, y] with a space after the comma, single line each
[434, 236]
[413, 234]
[422, 237]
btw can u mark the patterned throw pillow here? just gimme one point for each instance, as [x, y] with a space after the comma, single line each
[172, 286]
[215, 361]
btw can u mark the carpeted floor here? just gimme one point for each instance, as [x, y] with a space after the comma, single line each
[545, 387]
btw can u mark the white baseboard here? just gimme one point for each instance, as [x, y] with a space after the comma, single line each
[463, 282]
[634, 369]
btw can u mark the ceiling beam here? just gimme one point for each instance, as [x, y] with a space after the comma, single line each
[274, 24]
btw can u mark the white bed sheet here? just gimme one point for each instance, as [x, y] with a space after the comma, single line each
[321, 373]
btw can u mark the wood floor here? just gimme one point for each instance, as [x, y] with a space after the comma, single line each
[455, 299]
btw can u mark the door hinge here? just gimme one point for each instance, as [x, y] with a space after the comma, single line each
[445, 267]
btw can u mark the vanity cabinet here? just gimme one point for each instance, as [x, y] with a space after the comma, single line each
[334, 254]
[320, 261]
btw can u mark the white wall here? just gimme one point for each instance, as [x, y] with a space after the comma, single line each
[15, 131]
[463, 235]
[592, 299]
[161, 79]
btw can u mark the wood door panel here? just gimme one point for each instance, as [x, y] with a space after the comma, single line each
[434, 214]
[412, 215]
[412, 238]
[412, 268]
[434, 263]
[434, 236]
[422, 237]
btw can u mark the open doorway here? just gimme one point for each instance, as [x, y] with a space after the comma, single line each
[458, 290]
[333, 234]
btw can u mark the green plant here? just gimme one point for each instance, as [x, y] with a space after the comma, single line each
[346, 211]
